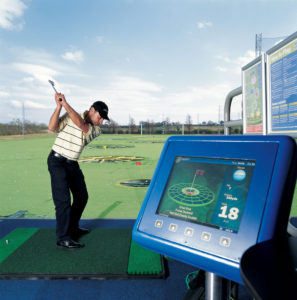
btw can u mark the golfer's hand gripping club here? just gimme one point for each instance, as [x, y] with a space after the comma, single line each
[53, 85]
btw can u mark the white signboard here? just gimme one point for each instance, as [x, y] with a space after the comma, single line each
[254, 97]
[282, 87]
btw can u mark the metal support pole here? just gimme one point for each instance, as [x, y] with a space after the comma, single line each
[227, 110]
[23, 123]
[216, 287]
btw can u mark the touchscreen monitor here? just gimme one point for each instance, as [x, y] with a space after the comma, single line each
[208, 191]
[213, 197]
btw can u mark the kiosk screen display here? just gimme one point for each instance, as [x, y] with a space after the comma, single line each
[207, 191]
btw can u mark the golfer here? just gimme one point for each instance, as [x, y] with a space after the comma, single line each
[75, 132]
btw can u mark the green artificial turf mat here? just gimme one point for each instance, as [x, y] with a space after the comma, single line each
[106, 255]
[143, 261]
[13, 240]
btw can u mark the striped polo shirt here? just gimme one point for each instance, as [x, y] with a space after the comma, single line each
[71, 139]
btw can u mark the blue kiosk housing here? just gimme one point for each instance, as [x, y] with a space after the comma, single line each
[213, 197]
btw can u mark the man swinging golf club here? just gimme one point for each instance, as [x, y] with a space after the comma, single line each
[75, 132]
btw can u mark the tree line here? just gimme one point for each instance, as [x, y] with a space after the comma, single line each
[17, 127]
[167, 127]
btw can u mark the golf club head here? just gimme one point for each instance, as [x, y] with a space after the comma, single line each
[53, 85]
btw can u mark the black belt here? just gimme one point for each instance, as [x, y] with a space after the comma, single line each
[62, 158]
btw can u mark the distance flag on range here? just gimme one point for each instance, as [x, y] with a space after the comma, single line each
[138, 163]
[200, 172]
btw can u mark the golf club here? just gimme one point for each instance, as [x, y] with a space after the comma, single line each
[53, 85]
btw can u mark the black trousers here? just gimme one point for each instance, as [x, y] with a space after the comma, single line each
[66, 177]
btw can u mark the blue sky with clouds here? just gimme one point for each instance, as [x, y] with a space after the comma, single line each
[148, 59]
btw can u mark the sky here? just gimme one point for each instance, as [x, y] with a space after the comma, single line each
[147, 59]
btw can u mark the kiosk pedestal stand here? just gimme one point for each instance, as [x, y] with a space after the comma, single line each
[216, 287]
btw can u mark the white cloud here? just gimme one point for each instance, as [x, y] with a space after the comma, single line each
[27, 104]
[138, 97]
[9, 11]
[126, 96]
[38, 72]
[203, 24]
[205, 101]
[234, 65]
[99, 39]
[131, 96]
[4, 94]
[126, 83]
[32, 68]
[224, 58]
[31, 104]
[75, 56]
[44, 63]
[221, 69]
[248, 57]
[16, 104]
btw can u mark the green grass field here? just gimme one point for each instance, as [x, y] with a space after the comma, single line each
[25, 181]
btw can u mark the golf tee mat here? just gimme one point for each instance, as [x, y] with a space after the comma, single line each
[110, 253]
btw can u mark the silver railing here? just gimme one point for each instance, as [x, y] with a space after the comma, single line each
[227, 111]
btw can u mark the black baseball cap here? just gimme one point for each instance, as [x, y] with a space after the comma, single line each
[102, 108]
